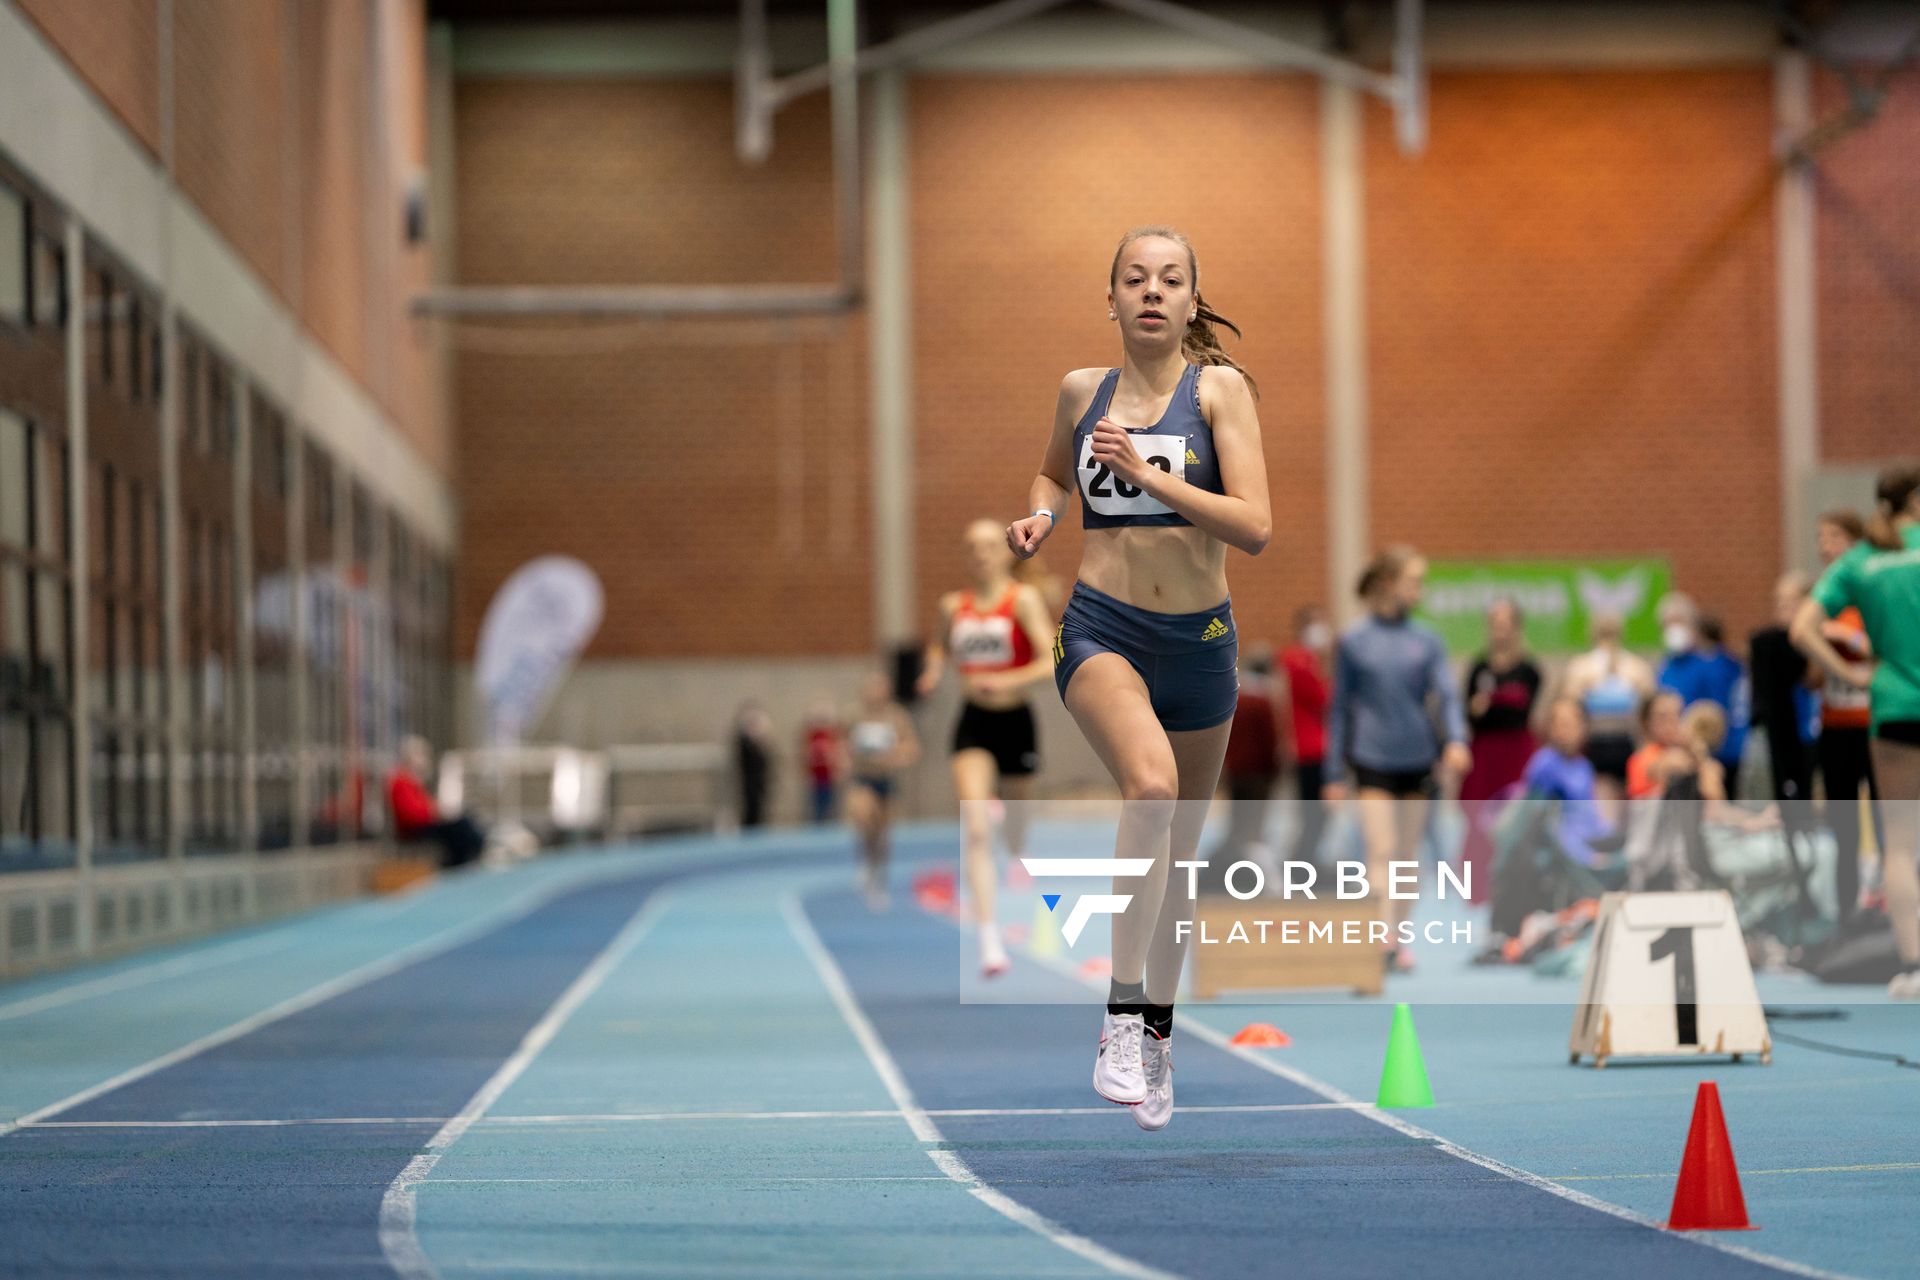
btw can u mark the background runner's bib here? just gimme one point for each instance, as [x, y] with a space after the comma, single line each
[1108, 495]
[983, 642]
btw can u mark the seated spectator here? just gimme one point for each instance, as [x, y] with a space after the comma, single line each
[1553, 844]
[417, 817]
[1561, 771]
[1660, 724]
[1694, 771]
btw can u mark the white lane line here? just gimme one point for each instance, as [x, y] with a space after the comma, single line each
[1900, 1166]
[285, 935]
[922, 1124]
[659, 1117]
[397, 1238]
[393, 962]
[1220, 1040]
[712, 1181]
[126, 979]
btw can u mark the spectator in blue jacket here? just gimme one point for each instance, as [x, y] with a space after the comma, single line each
[1699, 669]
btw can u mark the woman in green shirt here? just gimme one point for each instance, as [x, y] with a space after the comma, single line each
[1881, 578]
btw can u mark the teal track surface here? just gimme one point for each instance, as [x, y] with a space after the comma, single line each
[708, 1058]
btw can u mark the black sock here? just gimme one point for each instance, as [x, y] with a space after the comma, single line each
[1160, 1020]
[1126, 997]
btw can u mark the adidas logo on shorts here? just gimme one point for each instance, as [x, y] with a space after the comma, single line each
[1214, 631]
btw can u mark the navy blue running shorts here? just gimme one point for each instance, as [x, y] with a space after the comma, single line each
[1186, 660]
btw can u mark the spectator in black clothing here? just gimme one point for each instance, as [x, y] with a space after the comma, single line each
[1783, 697]
[1501, 690]
[753, 761]
[1846, 758]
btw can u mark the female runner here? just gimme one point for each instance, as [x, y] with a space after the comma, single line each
[1881, 578]
[996, 634]
[1165, 453]
[881, 745]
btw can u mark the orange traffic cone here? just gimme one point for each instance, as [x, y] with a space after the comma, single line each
[1262, 1035]
[934, 890]
[1708, 1197]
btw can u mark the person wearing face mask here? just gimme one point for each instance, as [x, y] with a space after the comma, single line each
[1305, 665]
[1388, 671]
[1699, 669]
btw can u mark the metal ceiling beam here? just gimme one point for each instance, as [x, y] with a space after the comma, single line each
[637, 300]
[916, 44]
[1269, 48]
[758, 96]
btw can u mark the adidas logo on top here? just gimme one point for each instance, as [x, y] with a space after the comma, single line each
[1192, 459]
[1214, 631]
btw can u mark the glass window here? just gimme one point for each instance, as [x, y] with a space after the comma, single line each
[127, 549]
[49, 282]
[36, 649]
[371, 711]
[330, 815]
[16, 245]
[209, 603]
[100, 321]
[273, 634]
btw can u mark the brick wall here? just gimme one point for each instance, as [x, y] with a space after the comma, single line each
[1022, 187]
[231, 69]
[1572, 320]
[713, 474]
[332, 136]
[1571, 317]
[115, 45]
[275, 141]
[1868, 265]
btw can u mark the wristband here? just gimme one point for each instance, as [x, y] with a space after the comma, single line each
[1042, 511]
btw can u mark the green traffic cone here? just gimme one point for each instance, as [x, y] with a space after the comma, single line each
[1403, 1077]
[1044, 938]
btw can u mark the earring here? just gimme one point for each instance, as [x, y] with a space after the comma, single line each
[1111, 316]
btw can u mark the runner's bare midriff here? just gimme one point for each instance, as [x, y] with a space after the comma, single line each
[999, 700]
[1163, 568]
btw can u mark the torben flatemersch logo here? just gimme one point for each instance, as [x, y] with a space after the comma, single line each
[1297, 880]
[1093, 904]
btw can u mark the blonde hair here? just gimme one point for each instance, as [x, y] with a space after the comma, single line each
[1706, 725]
[1201, 343]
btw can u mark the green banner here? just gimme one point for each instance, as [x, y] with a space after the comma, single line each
[1558, 599]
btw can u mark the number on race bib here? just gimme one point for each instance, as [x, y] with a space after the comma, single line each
[1108, 495]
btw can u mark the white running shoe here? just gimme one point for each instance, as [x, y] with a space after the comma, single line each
[1117, 1074]
[993, 954]
[1156, 1062]
[1905, 986]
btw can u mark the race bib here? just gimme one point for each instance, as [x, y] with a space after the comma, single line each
[983, 642]
[1108, 495]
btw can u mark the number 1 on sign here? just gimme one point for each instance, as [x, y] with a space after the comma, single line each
[1678, 943]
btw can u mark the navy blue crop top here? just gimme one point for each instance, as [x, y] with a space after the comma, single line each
[1180, 443]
